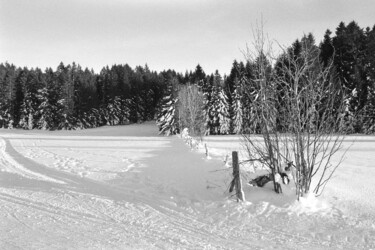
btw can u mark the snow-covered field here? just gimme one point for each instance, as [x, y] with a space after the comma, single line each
[127, 188]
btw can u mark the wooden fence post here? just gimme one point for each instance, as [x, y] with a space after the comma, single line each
[237, 177]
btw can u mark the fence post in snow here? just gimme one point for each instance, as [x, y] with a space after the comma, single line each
[236, 183]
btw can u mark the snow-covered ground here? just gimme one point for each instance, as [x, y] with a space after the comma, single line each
[127, 188]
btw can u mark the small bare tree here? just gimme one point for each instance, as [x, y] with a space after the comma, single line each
[297, 108]
[190, 108]
[260, 89]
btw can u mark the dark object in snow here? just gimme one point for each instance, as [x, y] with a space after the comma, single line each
[285, 178]
[260, 181]
[289, 166]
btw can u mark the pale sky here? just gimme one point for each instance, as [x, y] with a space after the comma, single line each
[176, 34]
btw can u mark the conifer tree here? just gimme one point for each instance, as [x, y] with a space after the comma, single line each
[50, 111]
[349, 44]
[167, 118]
[214, 111]
[45, 111]
[368, 113]
[234, 74]
[198, 75]
[213, 104]
[7, 96]
[30, 103]
[326, 48]
[206, 89]
[223, 113]
[237, 117]
[20, 83]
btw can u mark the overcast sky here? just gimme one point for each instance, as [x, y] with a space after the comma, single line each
[175, 34]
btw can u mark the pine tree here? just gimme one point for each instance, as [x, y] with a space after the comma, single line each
[223, 113]
[136, 110]
[368, 114]
[167, 118]
[45, 111]
[218, 117]
[370, 55]
[326, 49]
[212, 104]
[117, 112]
[124, 110]
[206, 89]
[198, 75]
[214, 111]
[79, 99]
[30, 103]
[234, 74]
[7, 96]
[237, 117]
[20, 83]
[147, 104]
[349, 44]
[65, 76]
[50, 111]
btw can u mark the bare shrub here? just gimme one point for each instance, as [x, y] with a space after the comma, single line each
[190, 109]
[297, 108]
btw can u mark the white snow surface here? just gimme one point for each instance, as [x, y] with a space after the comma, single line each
[124, 187]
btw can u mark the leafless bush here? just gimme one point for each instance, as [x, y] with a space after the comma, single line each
[297, 111]
[190, 109]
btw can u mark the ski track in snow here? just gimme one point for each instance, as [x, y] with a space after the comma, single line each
[79, 190]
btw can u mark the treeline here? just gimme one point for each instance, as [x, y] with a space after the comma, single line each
[70, 97]
[227, 103]
[74, 98]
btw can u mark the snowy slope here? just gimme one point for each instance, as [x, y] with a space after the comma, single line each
[126, 188]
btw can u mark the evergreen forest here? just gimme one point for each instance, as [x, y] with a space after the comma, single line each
[70, 97]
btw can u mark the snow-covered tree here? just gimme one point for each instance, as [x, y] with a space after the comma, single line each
[30, 102]
[7, 96]
[167, 121]
[112, 111]
[167, 118]
[67, 122]
[45, 111]
[28, 111]
[93, 118]
[214, 112]
[368, 113]
[219, 112]
[223, 113]
[136, 110]
[206, 89]
[349, 61]
[216, 107]
[116, 112]
[347, 119]
[123, 108]
[237, 119]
